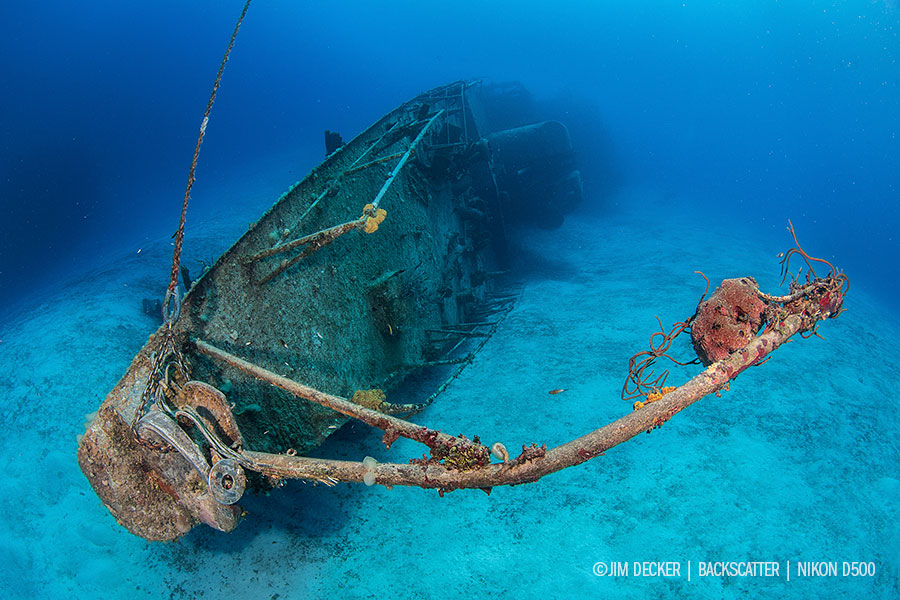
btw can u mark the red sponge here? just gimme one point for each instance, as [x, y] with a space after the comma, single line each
[727, 320]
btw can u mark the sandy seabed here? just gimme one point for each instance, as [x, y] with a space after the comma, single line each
[798, 462]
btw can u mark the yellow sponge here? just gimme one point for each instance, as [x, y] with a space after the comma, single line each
[373, 217]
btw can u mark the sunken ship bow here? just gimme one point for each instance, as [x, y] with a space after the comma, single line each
[383, 261]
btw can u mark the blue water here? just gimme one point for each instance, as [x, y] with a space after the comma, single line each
[701, 128]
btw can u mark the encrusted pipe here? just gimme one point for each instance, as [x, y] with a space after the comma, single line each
[392, 426]
[535, 462]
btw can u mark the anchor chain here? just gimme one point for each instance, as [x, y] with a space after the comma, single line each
[168, 367]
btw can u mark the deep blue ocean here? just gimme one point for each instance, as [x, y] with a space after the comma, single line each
[700, 128]
[755, 111]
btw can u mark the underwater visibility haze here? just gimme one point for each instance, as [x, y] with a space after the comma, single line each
[542, 254]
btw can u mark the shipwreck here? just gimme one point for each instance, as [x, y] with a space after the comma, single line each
[382, 261]
[388, 258]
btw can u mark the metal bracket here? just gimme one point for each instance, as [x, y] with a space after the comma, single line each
[226, 478]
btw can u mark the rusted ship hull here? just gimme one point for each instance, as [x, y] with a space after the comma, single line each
[368, 269]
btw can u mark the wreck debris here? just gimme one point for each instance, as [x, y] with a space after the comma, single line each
[367, 415]
[230, 392]
[531, 464]
[333, 141]
[455, 462]
[735, 315]
[368, 222]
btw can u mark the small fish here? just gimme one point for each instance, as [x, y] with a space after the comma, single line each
[558, 391]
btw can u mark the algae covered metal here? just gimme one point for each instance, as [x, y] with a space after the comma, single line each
[384, 260]
[388, 258]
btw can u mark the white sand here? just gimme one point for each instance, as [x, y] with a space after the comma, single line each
[797, 462]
